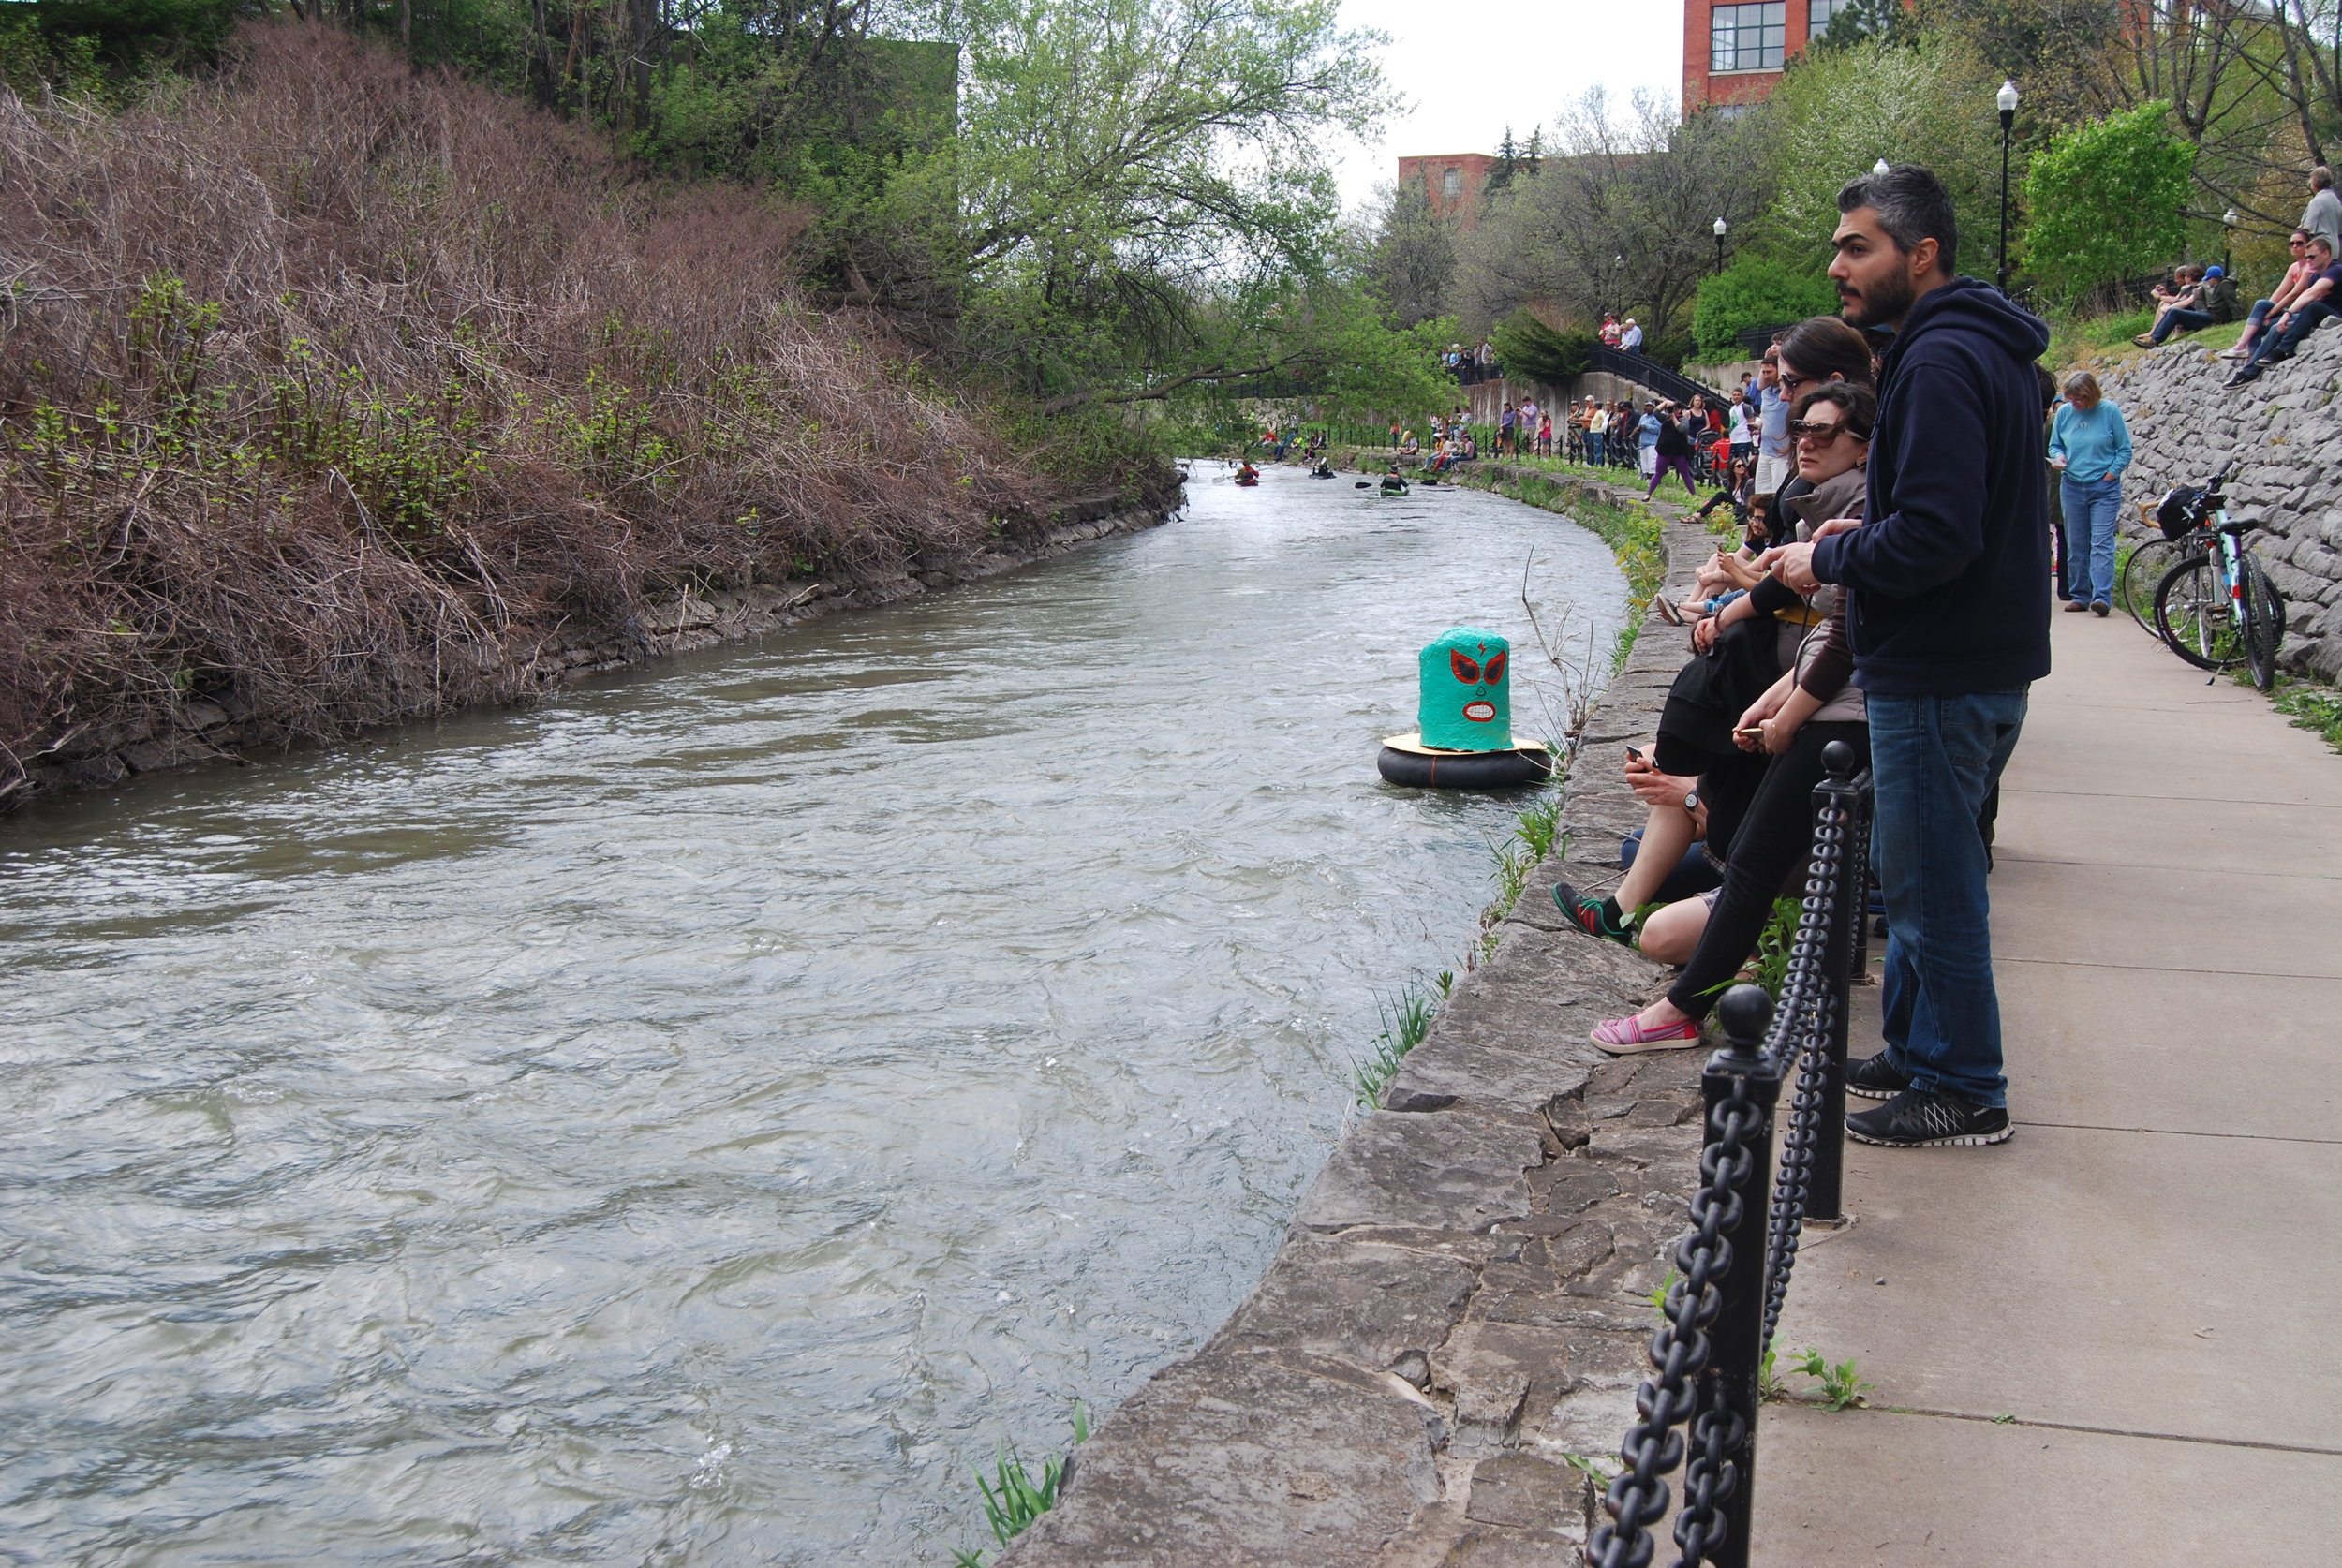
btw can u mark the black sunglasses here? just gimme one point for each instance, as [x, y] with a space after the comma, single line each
[1824, 430]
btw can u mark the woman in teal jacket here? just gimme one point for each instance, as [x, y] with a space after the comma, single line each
[2090, 447]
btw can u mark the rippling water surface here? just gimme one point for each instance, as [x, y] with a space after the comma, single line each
[692, 1121]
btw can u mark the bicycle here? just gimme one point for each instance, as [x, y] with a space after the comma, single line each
[2216, 609]
[2147, 565]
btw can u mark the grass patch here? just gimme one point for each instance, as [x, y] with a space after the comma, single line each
[2312, 705]
[1769, 969]
[1013, 1498]
[2105, 339]
[1406, 1019]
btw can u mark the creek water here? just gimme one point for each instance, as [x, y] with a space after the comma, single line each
[696, 1121]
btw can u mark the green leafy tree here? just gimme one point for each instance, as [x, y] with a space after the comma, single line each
[2108, 200]
[1755, 291]
[1839, 110]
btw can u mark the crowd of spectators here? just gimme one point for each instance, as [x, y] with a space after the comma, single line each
[1888, 589]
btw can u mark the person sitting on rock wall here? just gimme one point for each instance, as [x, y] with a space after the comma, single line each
[2298, 276]
[2321, 301]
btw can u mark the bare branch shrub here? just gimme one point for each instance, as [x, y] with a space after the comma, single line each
[324, 381]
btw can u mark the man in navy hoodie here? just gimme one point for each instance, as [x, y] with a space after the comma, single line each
[1948, 612]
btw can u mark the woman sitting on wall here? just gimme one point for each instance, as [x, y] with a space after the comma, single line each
[1764, 839]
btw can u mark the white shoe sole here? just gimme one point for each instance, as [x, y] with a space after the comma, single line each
[1638, 1049]
[1963, 1140]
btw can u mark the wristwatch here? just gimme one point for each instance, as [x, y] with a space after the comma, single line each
[1691, 800]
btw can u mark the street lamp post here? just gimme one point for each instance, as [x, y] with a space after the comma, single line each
[2227, 242]
[2007, 100]
[1720, 230]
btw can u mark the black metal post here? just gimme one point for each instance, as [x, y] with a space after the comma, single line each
[1846, 949]
[2008, 119]
[1730, 1383]
[1719, 253]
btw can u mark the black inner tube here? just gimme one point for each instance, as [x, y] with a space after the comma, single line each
[1468, 770]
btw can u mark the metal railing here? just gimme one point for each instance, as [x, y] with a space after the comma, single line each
[1735, 1261]
[1647, 373]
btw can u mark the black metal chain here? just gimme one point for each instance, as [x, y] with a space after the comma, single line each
[1639, 1498]
[1801, 1032]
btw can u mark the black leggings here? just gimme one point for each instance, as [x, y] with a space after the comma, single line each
[1774, 838]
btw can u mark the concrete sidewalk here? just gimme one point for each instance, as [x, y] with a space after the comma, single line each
[2116, 1338]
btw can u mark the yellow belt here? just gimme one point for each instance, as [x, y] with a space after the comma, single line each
[1804, 614]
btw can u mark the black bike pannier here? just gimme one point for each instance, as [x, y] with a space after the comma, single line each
[2177, 513]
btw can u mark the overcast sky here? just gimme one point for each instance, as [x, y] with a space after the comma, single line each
[1466, 69]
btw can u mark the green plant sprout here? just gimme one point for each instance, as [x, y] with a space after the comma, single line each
[1013, 1499]
[1841, 1386]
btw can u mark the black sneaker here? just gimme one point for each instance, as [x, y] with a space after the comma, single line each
[1597, 917]
[1925, 1118]
[1873, 1079]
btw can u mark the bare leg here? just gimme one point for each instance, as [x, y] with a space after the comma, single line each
[1667, 833]
[1671, 936]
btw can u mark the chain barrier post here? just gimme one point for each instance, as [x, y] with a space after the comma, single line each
[1722, 1468]
[1738, 1090]
[1838, 796]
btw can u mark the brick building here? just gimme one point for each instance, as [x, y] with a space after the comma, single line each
[1733, 52]
[1454, 181]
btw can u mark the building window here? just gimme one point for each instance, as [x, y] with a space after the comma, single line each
[1819, 12]
[1747, 37]
[1451, 183]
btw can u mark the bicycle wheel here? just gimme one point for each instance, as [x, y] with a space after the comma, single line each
[2264, 624]
[2194, 616]
[2134, 590]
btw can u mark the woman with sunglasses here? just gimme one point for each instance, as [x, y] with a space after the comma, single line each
[2298, 276]
[1761, 837]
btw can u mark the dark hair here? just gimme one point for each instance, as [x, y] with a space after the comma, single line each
[1859, 403]
[1824, 345]
[1912, 205]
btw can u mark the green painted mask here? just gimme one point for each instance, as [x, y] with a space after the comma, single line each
[1467, 701]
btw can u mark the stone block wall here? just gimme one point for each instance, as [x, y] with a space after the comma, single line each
[2286, 431]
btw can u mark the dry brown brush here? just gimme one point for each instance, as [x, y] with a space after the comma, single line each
[320, 378]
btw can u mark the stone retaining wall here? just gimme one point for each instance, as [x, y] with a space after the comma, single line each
[1462, 1301]
[2286, 429]
[204, 732]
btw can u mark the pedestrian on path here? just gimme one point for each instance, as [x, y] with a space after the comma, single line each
[2089, 447]
[1671, 453]
[1647, 441]
[1948, 618]
[1773, 424]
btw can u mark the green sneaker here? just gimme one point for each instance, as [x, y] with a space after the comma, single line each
[1597, 917]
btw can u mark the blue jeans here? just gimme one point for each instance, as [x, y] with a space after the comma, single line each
[1594, 448]
[1934, 759]
[2306, 320]
[2092, 510]
[2181, 321]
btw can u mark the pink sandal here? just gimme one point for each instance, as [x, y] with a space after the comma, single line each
[1624, 1036]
